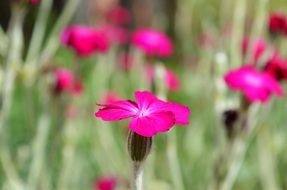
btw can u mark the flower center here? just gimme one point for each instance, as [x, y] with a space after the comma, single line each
[143, 112]
[253, 80]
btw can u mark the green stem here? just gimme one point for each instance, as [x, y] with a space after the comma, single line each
[39, 152]
[237, 32]
[4, 42]
[14, 182]
[13, 61]
[39, 31]
[54, 38]
[68, 156]
[235, 154]
[137, 178]
[172, 153]
[266, 160]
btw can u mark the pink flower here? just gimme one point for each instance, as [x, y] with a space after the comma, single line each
[152, 42]
[116, 35]
[106, 183]
[277, 67]
[149, 115]
[277, 23]
[77, 88]
[172, 82]
[118, 16]
[255, 85]
[85, 40]
[64, 80]
[258, 46]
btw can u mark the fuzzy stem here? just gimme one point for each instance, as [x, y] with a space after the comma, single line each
[4, 42]
[68, 156]
[14, 182]
[39, 152]
[235, 153]
[53, 39]
[266, 160]
[237, 158]
[237, 32]
[12, 62]
[39, 31]
[137, 178]
[174, 165]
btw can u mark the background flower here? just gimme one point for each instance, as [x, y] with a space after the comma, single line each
[85, 40]
[255, 85]
[152, 42]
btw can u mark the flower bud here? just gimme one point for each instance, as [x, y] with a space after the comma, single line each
[138, 146]
[230, 119]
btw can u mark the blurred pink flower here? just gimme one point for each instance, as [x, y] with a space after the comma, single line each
[277, 67]
[78, 87]
[118, 16]
[152, 42]
[149, 114]
[258, 46]
[255, 85]
[115, 34]
[85, 40]
[105, 183]
[111, 97]
[64, 80]
[277, 23]
[172, 82]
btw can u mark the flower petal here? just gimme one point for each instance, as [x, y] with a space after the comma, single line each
[145, 99]
[180, 112]
[117, 110]
[150, 125]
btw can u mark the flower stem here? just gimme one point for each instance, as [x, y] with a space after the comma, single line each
[266, 160]
[237, 32]
[13, 60]
[174, 162]
[53, 39]
[39, 31]
[235, 153]
[68, 156]
[39, 151]
[137, 178]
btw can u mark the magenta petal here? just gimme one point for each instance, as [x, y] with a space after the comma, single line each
[150, 125]
[273, 85]
[254, 95]
[181, 112]
[117, 110]
[145, 99]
